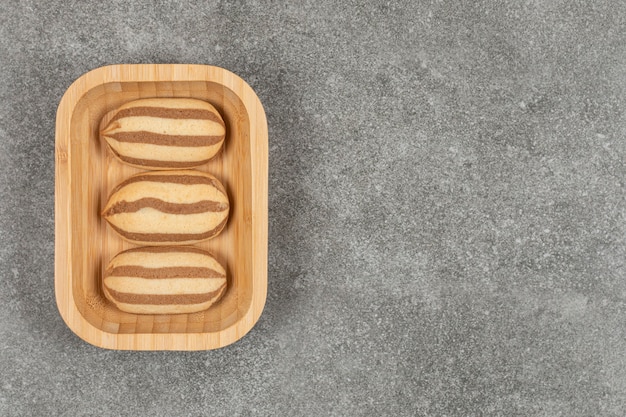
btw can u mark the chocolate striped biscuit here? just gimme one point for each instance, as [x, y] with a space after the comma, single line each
[164, 280]
[168, 208]
[165, 133]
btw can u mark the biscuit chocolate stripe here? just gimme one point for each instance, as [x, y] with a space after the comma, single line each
[161, 164]
[169, 249]
[174, 179]
[142, 136]
[163, 299]
[165, 207]
[168, 113]
[169, 237]
[137, 271]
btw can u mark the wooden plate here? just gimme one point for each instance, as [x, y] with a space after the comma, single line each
[86, 172]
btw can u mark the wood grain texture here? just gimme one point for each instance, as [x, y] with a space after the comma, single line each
[86, 173]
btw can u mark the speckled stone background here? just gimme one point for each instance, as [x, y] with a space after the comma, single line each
[447, 208]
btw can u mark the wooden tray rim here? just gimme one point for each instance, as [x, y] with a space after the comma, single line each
[259, 171]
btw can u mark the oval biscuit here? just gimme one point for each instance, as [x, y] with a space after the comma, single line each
[168, 208]
[165, 133]
[164, 280]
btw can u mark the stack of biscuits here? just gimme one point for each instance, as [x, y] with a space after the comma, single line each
[166, 209]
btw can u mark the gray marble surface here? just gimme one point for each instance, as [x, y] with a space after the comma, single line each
[447, 208]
